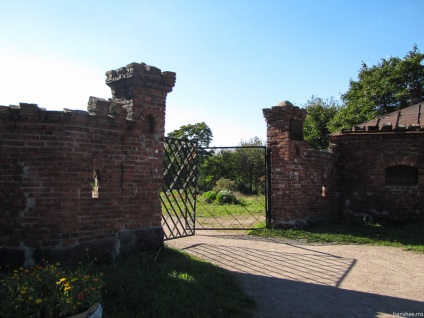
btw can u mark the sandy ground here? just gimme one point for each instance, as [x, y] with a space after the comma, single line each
[295, 279]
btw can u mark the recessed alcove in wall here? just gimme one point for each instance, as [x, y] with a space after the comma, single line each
[95, 186]
[401, 175]
[149, 125]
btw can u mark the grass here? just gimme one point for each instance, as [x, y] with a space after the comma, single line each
[170, 283]
[247, 204]
[409, 236]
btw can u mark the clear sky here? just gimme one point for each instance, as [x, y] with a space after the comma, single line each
[232, 57]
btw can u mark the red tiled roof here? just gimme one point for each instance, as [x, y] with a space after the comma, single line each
[407, 119]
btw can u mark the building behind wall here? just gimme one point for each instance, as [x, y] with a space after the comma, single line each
[380, 166]
[75, 183]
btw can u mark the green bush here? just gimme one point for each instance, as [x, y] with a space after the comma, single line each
[224, 184]
[47, 290]
[209, 196]
[226, 197]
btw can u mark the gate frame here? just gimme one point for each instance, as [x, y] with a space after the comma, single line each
[181, 229]
[267, 162]
[197, 149]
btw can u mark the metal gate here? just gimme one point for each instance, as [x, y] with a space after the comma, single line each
[214, 188]
[233, 190]
[178, 195]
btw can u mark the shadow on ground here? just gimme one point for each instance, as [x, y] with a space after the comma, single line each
[300, 283]
[297, 299]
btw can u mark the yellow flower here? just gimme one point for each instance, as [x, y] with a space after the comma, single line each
[38, 301]
[61, 281]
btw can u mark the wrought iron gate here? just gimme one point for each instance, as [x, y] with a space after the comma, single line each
[214, 188]
[178, 195]
[233, 188]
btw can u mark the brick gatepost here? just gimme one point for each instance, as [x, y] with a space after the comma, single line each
[302, 180]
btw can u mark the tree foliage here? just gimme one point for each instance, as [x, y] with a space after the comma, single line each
[244, 166]
[319, 113]
[381, 89]
[199, 132]
[251, 165]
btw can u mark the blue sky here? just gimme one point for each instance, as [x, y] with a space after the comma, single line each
[232, 57]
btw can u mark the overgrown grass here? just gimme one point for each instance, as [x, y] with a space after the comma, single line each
[171, 284]
[245, 205]
[409, 236]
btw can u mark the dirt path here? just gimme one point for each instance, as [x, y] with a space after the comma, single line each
[294, 279]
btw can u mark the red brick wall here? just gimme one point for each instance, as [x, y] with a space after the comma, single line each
[362, 160]
[353, 173]
[298, 174]
[47, 162]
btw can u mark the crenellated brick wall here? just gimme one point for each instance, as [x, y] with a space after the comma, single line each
[53, 161]
[302, 180]
[349, 178]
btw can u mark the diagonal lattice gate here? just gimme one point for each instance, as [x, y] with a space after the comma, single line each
[213, 188]
[178, 195]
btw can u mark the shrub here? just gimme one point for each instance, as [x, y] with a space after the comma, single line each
[226, 197]
[47, 290]
[224, 184]
[209, 196]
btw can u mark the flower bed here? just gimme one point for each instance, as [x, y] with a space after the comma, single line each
[47, 290]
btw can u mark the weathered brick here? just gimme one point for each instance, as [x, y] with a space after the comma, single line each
[297, 174]
[48, 159]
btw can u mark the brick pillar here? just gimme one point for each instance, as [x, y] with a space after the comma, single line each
[139, 93]
[285, 140]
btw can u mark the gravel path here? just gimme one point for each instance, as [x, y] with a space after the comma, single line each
[294, 279]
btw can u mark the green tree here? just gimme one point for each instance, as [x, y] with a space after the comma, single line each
[245, 166]
[199, 132]
[181, 158]
[319, 113]
[381, 89]
[218, 164]
[250, 163]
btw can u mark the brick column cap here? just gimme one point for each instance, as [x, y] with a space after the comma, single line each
[284, 108]
[140, 74]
